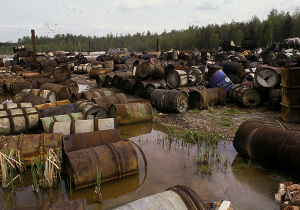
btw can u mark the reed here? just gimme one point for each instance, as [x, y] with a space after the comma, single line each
[98, 187]
[35, 185]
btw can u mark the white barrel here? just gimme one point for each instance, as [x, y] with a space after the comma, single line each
[15, 105]
[164, 200]
[82, 126]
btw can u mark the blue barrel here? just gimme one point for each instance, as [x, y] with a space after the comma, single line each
[220, 80]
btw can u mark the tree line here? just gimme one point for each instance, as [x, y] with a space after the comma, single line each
[277, 27]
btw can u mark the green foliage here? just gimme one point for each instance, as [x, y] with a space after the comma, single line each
[275, 28]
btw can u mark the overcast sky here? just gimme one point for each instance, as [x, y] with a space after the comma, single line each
[101, 17]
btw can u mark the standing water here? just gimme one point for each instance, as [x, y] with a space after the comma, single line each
[211, 167]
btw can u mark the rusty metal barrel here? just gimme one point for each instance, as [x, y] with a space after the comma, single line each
[61, 92]
[107, 101]
[115, 160]
[71, 85]
[269, 145]
[88, 95]
[100, 80]
[19, 86]
[266, 77]
[82, 69]
[131, 113]
[128, 85]
[91, 139]
[290, 85]
[8, 80]
[244, 95]
[32, 146]
[58, 110]
[15, 105]
[48, 95]
[205, 98]
[16, 121]
[147, 69]
[177, 197]
[230, 67]
[94, 72]
[150, 87]
[82, 126]
[220, 80]
[139, 88]
[44, 123]
[115, 78]
[170, 100]
[90, 108]
[61, 73]
[275, 99]
[52, 104]
[121, 80]
[30, 98]
[183, 77]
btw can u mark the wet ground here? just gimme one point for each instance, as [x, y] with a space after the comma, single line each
[170, 161]
[223, 176]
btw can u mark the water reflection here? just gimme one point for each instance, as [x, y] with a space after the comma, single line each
[171, 161]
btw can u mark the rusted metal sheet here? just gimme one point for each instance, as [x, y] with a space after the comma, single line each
[90, 108]
[32, 146]
[58, 110]
[82, 126]
[16, 121]
[107, 101]
[269, 145]
[290, 94]
[131, 113]
[15, 105]
[244, 95]
[170, 100]
[91, 139]
[61, 92]
[116, 160]
[52, 104]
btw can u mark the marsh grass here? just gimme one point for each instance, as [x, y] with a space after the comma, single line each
[98, 186]
[10, 164]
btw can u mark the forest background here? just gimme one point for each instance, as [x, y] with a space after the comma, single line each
[277, 27]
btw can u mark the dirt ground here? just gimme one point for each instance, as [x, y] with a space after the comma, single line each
[223, 119]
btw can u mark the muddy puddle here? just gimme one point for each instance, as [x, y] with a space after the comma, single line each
[224, 175]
